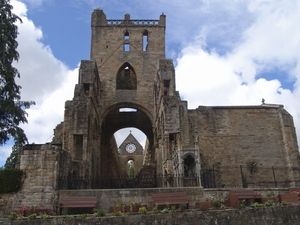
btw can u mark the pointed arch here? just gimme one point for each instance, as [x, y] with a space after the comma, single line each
[126, 77]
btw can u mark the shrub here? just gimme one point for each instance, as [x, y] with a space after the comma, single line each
[82, 216]
[269, 203]
[256, 205]
[45, 216]
[32, 216]
[142, 210]
[155, 208]
[11, 180]
[99, 213]
[116, 214]
[13, 216]
[270, 195]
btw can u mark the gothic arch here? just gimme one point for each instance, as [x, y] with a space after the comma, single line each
[126, 77]
[112, 120]
[189, 162]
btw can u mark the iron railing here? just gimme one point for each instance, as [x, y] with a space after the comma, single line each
[250, 177]
[215, 177]
[114, 182]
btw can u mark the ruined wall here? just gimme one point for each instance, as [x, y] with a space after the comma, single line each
[254, 136]
[81, 121]
[40, 162]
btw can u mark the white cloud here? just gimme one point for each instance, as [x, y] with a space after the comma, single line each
[44, 79]
[207, 78]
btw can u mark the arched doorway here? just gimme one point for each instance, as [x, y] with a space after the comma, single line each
[190, 176]
[114, 119]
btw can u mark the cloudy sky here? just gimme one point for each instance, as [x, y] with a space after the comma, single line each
[226, 52]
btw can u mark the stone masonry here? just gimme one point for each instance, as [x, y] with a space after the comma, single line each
[128, 69]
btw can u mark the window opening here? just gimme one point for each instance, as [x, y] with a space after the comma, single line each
[126, 42]
[78, 145]
[166, 86]
[126, 78]
[86, 88]
[189, 166]
[145, 41]
[130, 168]
[127, 110]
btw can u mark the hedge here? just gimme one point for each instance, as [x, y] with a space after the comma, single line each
[11, 180]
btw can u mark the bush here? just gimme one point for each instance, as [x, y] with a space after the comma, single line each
[82, 216]
[32, 216]
[45, 216]
[11, 180]
[143, 210]
[13, 216]
[116, 214]
[99, 213]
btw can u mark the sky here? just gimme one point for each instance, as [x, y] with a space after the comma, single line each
[225, 52]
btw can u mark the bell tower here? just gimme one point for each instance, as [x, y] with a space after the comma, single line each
[125, 53]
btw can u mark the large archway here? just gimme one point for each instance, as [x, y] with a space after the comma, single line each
[115, 118]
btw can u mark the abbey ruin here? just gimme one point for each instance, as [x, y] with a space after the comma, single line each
[206, 147]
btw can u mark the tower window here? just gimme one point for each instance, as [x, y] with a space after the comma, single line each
[145, 40]
[166, 86]
[126, 46]
[126, 77]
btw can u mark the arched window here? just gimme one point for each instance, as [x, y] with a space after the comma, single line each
[126, 46]
[126, 78]
[145, 40]
[189, 166]
[130, 168]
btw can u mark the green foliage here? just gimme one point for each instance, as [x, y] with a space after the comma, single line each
[13, 159]
[243, 204]
[45, 216]
[32, 216]
[12, 110]
[165, 210]
[270, 195]
[82, 216]
[256, 205]
[143, 210]
[173, 209]
[11, 180]
[269, 203]
[13, 216]
[99, 213]
[155, 208]
[216, 203]
[116, 214]
[130, 168]
[284, 203]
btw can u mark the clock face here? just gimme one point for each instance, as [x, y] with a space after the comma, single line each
[130, 148]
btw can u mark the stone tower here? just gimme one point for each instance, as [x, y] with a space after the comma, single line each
[121, 73]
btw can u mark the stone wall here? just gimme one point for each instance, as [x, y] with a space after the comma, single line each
[252, 136]
[40, 163]
[285, 215]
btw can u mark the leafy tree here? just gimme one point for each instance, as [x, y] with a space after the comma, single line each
[13, 159]
[12, 110]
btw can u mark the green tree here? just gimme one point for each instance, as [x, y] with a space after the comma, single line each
[13, 159]
[130, 168]
[12, 110]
